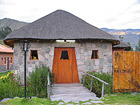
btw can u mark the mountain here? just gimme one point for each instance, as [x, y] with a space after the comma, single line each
[129, 35]
[13, 24]
[122, 31]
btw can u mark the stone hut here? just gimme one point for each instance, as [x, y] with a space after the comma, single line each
[121, 47]
[65, 43]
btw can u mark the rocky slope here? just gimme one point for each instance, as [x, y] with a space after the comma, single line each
[13, 24]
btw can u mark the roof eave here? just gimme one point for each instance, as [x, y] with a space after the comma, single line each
[10, 42]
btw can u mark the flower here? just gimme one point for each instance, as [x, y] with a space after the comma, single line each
[7, 76]
[94, 71]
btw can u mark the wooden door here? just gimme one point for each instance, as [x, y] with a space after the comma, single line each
[65, 66]
[7, 63]
[126, 73]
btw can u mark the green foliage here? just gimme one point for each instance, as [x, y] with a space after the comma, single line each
[137, 48]
[38, 82]
[130, 46]
[3, 73]
[9, 87]
[97, 85]
[32, 101]
[4, 32]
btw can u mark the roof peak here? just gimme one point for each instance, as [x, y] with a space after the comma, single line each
[59, 24]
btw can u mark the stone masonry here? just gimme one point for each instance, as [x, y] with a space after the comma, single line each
[83, 53]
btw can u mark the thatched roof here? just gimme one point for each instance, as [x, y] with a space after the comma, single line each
[122, 45]
[59, 25]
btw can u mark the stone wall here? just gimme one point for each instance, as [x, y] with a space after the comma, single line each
[83, 55]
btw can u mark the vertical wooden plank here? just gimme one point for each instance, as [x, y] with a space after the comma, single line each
[127, 68]
[132, 71]
[115, 71]
[137, 65]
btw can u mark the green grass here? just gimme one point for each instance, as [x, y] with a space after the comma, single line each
[122, 99]
[3, 73]
[112, 99]
[33, 101]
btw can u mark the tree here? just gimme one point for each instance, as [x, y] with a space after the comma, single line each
[138, 46]
[4, 32]
[130, 46]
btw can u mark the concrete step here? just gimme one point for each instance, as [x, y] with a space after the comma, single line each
[71, 92]
[67, 85]
[74, 97]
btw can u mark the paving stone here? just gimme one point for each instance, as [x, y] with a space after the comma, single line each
[60, 103]
[6, 99]
[33, 97]
[87, 103]
[16, 97]
[97, 101]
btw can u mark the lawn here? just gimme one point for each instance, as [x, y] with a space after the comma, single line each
[3, 73]
[33, 101]
[122, 99]
[112, 99]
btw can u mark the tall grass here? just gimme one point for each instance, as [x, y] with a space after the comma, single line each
[97, 85]
[37, 81]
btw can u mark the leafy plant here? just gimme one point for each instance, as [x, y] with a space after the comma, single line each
[97, 85]
[9, 87]
[37, 82]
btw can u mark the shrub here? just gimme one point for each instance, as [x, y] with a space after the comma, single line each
[97, 85]
[37, 82]
[9, 87]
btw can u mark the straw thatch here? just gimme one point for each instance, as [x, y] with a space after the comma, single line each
[59, 25]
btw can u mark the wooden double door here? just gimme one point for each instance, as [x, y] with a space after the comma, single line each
[65, 65]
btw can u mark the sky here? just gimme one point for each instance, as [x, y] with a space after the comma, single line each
[114, 14]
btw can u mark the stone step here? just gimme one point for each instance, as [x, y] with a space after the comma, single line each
[67, 85]
[71, 92]
[56, 92]
[74, 97]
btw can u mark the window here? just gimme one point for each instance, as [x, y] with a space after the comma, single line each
[34, 55]
[64, 55]
[4, 60]
[11, 60]
[94, 54]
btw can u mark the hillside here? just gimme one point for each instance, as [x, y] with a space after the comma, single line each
[129, 35]
[122, 31]
[13, 24]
